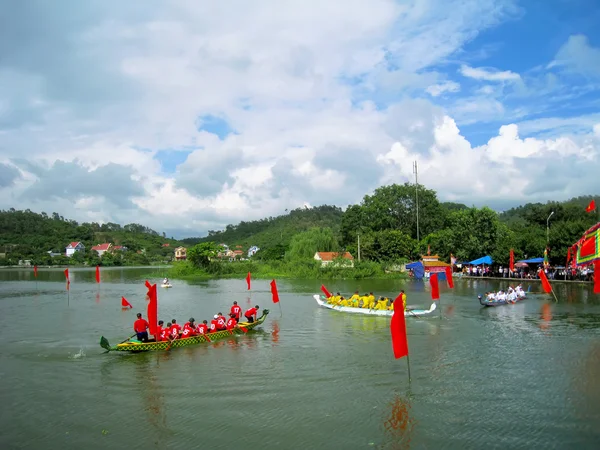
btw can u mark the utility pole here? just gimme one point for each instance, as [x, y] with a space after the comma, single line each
[416, 195]
[548, 229]
[359, 248]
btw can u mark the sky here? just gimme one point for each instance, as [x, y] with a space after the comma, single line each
[186, 116]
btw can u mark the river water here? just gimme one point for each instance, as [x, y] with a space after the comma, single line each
[520, 376]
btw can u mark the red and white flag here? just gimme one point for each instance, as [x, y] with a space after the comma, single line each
[398, 330]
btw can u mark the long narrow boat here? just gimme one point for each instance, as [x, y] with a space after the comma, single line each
[322, 301]
[133, 345]
[498, 302]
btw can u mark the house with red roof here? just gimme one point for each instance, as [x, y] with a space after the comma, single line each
[74, 247]
[102, 248]
[326, 258]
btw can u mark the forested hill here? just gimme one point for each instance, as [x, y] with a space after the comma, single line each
[272, 231]
[29, 235]
[537, 213]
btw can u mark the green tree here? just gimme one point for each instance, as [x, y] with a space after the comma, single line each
[202, 254]
[304, 245]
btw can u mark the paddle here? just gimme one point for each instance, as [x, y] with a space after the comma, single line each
[410, 311]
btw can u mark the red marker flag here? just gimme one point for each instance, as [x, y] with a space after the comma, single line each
[545, 283]
[152, 309]
[325, 291]
[35, 271]
[597, 276]
[435, 287]
[398, 330]
[248, 278]
[67, 277]
[125, 303]
[274, 292]
[591, 206]
[148, 286]
[449, 277]
[97, 274]
[511, 264]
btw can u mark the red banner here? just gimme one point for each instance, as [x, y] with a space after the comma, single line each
[545, 283]
[449, 277]
[97, 274]
[398, 330]
[511, 264]
[153, 309]
[435, 287]
[325, 291]
[274, 292]
[248, 277]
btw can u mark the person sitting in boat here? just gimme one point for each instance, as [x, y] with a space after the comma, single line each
[221, 322]
[214, 324]
[382, 304]
[175, 329]
[501, 296]
[370, 301]
[231, 322]
[189, 329]
[403, 299]
[344, 301]
[166, 281]
[163, 332]
[140, 326]
[250, 315]
[355, 298]
[236, 310]
[202, 328]
[520, 291]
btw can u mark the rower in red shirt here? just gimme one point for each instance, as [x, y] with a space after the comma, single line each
[140, 326]
[175, 329]
[189, 329]
[251, 314]
[165, 332]
[237, 311]
[214, 324]
[202, 328]
[159, 330]
[231, 322]
[221, 322]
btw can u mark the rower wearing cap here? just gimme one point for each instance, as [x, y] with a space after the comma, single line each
[214, 324]
[251, 314]
[221, 322]
[231, 322]
[189, 328]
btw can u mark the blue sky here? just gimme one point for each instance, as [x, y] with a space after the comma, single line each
[187, 116]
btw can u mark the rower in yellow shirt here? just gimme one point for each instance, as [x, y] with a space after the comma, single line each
[381, 304]
[403, 299]
[344, 302]
[370, 303]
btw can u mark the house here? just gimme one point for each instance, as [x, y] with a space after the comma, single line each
[119, 248]
[252, 251]
[432, 264]
[74, 247]
[180, 253]
[327, 258]
[102, 248]
[237, 254]
[166, 245]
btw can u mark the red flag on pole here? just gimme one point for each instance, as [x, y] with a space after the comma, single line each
[248, 278]
[274, 292]
[449, 277]
[511, 264]
[97, 274]
[597, 276]
[591, 206]
[153, 309]
[35, 271]
[325, 291]
[398, 330]
[568, 257]
[545, 283]
[125, 303]
[67, 277]
[435, 287]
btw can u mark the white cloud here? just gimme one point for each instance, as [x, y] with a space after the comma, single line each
[577, 55]
[317, 94]
[487, 74]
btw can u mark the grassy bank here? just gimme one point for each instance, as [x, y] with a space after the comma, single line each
[281, 269]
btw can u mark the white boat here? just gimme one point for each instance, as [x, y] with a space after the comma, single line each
[168, 285]
[372, 312]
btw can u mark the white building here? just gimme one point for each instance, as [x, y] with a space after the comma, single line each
[74, 247]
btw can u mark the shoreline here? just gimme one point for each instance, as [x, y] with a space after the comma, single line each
[556, 280]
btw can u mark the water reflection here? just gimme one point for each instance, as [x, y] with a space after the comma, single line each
[275, 332]
[399, 424]
[546, 315]
[98, 297]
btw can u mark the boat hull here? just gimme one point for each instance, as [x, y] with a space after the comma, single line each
[136, 346]
[166, 285]
[488, 303]
[372, 312]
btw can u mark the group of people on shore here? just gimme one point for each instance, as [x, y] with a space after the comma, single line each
[172, 330]
[366, 301]
[511, 295]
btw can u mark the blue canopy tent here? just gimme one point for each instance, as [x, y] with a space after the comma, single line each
[483, 260]
[533, 261]
[417, 268]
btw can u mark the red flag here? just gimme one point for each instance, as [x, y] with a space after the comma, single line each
[125, 303]
[449, 277]
[68, 280]
[248, 277]
[274, 292]
[511, 264]
[435, 287]
[568, 257]
[97, 274]
[35, 271]
[398, 330]
[148, 286]
[545, 283]
[597, 276]
[591, 206]
[325, 291]
[153, 309]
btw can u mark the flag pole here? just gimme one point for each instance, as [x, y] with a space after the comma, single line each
[408, 366]
[280, 310]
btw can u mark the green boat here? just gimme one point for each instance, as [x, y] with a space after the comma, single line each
[133, 345]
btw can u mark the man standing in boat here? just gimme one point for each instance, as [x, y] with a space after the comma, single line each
[140, 326]
[250, 315]
[237, 311]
